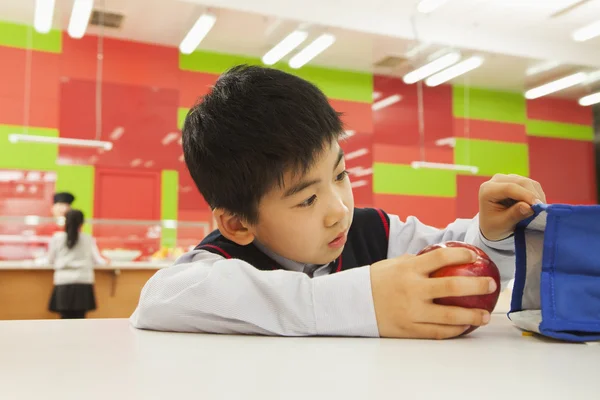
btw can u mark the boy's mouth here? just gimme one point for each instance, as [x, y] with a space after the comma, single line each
[339, 241]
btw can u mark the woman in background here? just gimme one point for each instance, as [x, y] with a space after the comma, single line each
[74, 255]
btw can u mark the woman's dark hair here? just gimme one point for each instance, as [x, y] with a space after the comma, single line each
[73, 222]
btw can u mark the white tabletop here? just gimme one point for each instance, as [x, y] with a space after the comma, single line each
[124, 265]
[107, 359]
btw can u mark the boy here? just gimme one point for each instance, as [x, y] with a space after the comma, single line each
[263, 150]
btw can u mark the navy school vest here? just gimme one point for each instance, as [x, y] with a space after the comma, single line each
[367, 243]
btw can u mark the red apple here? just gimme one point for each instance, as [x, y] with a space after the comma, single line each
[483, 266]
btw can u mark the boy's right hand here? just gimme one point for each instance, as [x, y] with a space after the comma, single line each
[403, 295]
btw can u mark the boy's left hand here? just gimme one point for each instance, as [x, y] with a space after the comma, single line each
[504, 201]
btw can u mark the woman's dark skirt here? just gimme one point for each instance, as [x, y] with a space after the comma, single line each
[78, 297]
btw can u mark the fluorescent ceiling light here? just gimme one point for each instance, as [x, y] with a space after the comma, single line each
[17, 137]
[376, 95]
[357, 153]
[587, 32]
[312, 50]
[427, 6]
[388, 101]
[34, 176]
[42, 18]
[357, 184]
[360, 171]
[556, 85]
[431, 68]
[80, 16]
[32, 220]
[170, 137]
[200, 29]
[283, 48]
[350, 132]
[136, 162]
[453, 167]
[416, 50]
[456, 70]
[541, 67]
[8, 176]
[148, 164]
[590, 99]
[449, 141]
[117, 133]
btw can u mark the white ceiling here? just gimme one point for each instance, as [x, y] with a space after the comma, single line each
[511, 34]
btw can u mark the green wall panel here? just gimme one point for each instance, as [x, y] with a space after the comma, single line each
[168, 205]
[17, 35]
[79, 180]
[559, 130]
[489, 105]
[405, 180]
[181, 114]
[336, 84]
[492, 157]
[34, 156]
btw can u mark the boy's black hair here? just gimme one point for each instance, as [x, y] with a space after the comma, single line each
[255, 124]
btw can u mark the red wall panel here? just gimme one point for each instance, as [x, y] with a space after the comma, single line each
[357, 116]
[146, 116]
[565, 168]
[467, 195]
[559, 110]
[193, 85]
[43, 78]
[434, 211]
[489, 130]
[360, 167]
[126, 62]
[127, 194]
[398, 124]
[383, 153]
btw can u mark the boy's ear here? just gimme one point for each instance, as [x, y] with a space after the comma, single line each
[233, 227]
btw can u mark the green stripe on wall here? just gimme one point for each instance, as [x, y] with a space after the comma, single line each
[25, 37]
[181, 114]
[78, 180]
[33, 156]
[488, 105]
[168, 206]
[492, 157]
[336, 84]
[559, 130]
[405, 180]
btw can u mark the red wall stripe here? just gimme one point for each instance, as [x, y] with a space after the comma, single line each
[357, 116]
[434, 211]
[398, 124]
[193, 85]
[467, 195]
[565, 168]
[559, 110]
[126, 62]
[489, 130]
[383, 153]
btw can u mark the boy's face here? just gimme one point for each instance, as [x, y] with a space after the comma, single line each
[307, 220]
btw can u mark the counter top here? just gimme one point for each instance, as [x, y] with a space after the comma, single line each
[103, 359]
[32, 265]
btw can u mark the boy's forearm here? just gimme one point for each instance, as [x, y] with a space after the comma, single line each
[230, 296]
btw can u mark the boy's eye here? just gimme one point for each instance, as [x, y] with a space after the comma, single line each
[308, 202]
[342, 176]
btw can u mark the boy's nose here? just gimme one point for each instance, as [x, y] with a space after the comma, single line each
[337, 212]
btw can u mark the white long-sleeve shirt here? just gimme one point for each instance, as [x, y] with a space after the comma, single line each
[74, 265]
[204, 292]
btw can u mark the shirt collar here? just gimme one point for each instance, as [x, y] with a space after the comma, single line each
[287, 263]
